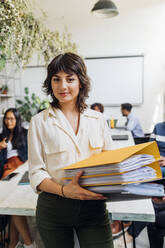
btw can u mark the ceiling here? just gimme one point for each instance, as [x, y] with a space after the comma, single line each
[77, 13]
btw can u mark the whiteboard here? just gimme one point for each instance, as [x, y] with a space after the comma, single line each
[115, 80]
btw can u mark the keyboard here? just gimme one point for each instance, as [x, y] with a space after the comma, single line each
[119, 137]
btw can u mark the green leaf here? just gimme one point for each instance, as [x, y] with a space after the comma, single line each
[19, 101]
[2, 62]
[26, 90]
[26, 98]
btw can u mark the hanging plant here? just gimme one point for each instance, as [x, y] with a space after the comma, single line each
[22, 34]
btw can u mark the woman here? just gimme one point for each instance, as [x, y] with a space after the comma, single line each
[97, 107]
[61, 135]
[13, 153]
[13, 142]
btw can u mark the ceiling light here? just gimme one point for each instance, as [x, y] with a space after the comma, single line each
[105, 9]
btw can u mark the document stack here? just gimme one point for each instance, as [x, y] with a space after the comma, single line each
[122, 170]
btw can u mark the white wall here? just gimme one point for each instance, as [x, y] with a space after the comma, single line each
[133, 32]
[138, 29]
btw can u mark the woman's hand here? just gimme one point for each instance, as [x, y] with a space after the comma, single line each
[162, 161]
[158, 200]
[75, 191]
[3, 144]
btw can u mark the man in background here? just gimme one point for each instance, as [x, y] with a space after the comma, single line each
[132, 124]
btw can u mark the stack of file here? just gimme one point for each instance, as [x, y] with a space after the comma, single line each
[147, 189]
[121, 170]
[132, 163]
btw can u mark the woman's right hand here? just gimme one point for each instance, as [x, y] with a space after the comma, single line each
[75, 191]
[162, 161]
[3, 144]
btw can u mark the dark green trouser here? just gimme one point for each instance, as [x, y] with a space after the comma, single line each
[57, 217]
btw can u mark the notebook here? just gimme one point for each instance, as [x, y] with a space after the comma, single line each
[119, 137]
[24, 179]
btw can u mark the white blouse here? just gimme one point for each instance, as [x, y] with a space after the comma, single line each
[52, 143]
[10, 151]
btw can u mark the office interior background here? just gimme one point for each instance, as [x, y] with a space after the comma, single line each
[138, 29]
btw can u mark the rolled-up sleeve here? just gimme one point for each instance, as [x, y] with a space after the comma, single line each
[37, 169]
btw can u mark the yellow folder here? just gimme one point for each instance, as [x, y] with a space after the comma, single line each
[117, 156]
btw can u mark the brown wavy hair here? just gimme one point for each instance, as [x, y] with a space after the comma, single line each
[69, 63]
[99, 105]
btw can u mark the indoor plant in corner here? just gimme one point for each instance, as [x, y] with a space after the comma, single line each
[29, 106]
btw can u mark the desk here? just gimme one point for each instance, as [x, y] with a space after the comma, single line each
[17, 199]
[21, 200]
[122, 143]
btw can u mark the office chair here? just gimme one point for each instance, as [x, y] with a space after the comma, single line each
[139, 140]
[147, 134]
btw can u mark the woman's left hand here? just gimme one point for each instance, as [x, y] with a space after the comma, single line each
[158, 200]
[75, 191]
[162, 161]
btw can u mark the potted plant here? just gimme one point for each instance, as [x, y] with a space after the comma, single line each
[30, 105]
[4, 89]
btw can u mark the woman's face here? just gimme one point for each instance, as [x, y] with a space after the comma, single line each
[96, 108]
[65, 87]
[10, 121]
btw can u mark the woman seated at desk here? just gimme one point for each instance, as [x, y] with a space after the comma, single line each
[13, 153]
[97, 107]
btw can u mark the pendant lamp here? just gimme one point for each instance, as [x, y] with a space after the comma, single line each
[105, 9]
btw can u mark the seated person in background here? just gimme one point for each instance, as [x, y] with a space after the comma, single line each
[156, 238]
[132, 123]
[13, 143]
[158, 135]
[155, 230]
[97, 107]
[13, 153]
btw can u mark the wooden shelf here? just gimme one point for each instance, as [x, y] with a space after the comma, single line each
[5, 95]
[9, 77]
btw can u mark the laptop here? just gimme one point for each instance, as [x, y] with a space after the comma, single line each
[119, 137]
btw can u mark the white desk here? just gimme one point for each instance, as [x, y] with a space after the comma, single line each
[122, 143]
[17, 199]
[134, 210]
[21, 200]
